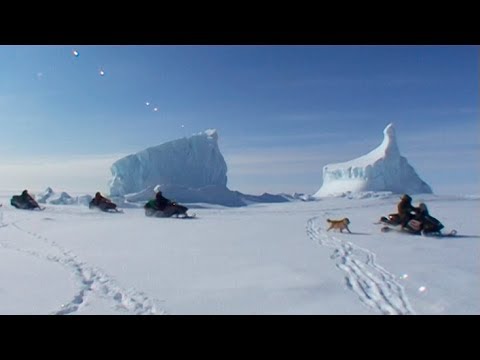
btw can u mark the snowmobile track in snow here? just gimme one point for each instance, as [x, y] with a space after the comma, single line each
[375, 286]
[91, 280]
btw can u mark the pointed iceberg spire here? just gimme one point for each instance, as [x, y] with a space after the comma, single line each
[389, 143]
[382, 169]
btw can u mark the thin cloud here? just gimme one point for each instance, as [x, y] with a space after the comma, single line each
[261, 141]
[77, 173]
[328, 115]
[467, 110]
[285, 160]
[447, 136]
[339, 81]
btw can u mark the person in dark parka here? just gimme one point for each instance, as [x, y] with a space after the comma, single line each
[405, 209]
[163, 207]
[102, 203]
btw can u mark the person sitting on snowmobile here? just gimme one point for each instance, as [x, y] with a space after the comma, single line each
[162, 202]
[102, 202]
[428, 222]
[421, 212]
[24, 201]
[163, 206]
[405, 209]
[27, 198]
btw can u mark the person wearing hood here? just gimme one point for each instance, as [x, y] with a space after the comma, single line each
[406, 211]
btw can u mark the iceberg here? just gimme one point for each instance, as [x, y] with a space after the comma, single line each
[187, 170]
[381, 170]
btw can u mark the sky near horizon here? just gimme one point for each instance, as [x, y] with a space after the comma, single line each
[282, 112]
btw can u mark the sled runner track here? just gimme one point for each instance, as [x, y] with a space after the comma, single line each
[375, 286]
[91, 280]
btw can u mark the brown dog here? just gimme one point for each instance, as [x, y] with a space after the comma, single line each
[339, 224]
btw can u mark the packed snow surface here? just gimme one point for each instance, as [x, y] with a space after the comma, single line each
[259, 259]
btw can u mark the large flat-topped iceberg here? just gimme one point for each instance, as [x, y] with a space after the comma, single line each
[193, 162]
[189, 170]
[382, 169]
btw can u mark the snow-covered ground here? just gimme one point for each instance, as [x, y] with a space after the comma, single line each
[260, 259]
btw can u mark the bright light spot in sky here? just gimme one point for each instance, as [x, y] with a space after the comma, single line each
[422, 288]
[75, 53]
[155, 109]
[102, 72]
[147, 103]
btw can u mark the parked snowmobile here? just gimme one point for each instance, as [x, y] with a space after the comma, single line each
[24, 201]
[102, 203]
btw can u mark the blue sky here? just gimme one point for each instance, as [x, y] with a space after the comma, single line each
[282, 112]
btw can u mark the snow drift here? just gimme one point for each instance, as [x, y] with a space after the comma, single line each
[383, 169]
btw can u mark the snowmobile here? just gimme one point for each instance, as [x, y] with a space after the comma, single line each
[428, 227]
[173, 209]
[104, 206]
[18, 202]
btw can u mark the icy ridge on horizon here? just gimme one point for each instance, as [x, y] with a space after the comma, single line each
[51, 197]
